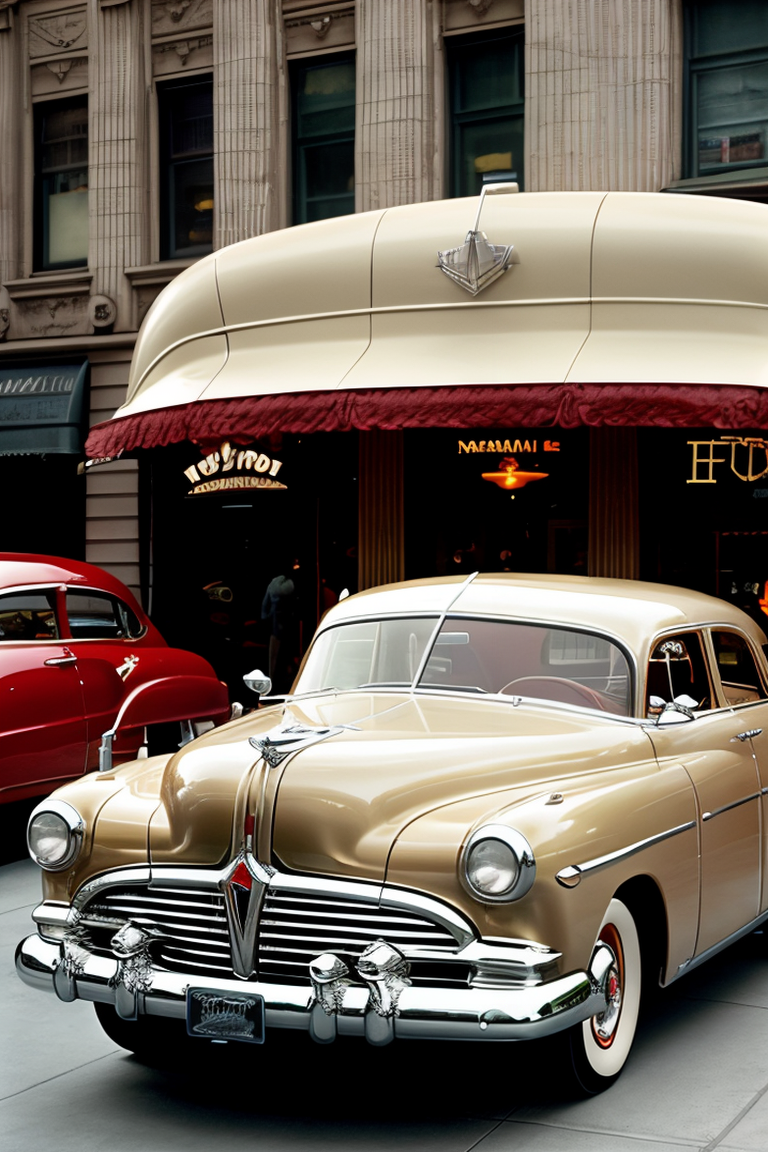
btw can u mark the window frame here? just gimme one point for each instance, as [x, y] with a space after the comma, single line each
[168, 164]
[515, 109]
[301, 144]
[693, 68]
[41, 245]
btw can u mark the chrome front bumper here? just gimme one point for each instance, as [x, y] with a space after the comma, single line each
[384, 1005]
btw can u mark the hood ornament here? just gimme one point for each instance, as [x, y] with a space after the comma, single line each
[279, 742]
[477, 263]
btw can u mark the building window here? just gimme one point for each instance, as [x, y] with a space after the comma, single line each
[323, 122]
[487, 97]
[185, 113]
[727, 68]
[61, 183]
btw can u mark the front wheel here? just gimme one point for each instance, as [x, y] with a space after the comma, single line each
[599, 1047]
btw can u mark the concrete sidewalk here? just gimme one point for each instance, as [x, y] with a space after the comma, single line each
[697, 1079]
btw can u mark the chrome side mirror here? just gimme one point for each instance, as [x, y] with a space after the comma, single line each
[258, 682]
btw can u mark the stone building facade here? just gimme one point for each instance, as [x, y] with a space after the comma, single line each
[91, 89]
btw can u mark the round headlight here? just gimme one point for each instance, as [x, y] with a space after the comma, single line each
[498, 864]
[54, 834]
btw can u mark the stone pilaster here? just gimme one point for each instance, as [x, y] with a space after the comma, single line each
[11, 88]
[603, 94]
[399, 121]
[118, 198]
[249, 119]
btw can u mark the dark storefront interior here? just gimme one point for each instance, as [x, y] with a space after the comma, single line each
[512, 499]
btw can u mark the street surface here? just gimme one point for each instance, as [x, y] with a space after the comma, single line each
[697, 1079]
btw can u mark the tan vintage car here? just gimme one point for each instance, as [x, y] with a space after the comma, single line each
[489, 810]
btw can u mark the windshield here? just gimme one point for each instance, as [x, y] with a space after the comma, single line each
[473, 655]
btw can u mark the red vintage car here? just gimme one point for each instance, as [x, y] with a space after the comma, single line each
[83, 672]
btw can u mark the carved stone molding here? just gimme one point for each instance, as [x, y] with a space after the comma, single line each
[175, 54]
[333, 25]
[6, 14]
[169, 17]
[102, 313]
[480, 7]
[59, 68]
[54, 34]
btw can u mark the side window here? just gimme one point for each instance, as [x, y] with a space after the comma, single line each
[677, 671]
[28, 616]
[736, 665]
[96, 616]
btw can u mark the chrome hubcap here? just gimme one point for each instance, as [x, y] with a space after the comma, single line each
[605, 1022]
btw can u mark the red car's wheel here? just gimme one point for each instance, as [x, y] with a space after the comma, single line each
[600, 1046]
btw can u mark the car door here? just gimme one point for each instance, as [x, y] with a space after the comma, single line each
[744, 688]
[712, 744]
[102, 632]
[42, 726]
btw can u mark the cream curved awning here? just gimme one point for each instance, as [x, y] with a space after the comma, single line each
[614, 308]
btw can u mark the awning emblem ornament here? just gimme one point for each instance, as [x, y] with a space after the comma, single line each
[477, 263]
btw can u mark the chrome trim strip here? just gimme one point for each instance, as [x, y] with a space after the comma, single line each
[728, 807]
[689, 965]
[570, 876]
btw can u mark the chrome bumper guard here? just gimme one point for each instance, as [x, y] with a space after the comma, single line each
[384, 1005]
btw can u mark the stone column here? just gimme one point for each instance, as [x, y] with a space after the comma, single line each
[118, 197]
[11, 87]
[603, 106]
[249, 118]
[398, 120]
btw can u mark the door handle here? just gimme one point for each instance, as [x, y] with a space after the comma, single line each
[61, 661]
[747, 735]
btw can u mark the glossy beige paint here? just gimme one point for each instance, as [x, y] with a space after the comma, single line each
[610, 287]
[396, 794]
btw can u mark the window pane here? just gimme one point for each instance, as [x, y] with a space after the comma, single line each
[738, 672]
[186, 158]
[487, 106]
[731, 106]
[722, 26]
[28, 616]
[324, 139]
[486, 148]
[61, 194]
[92, 616]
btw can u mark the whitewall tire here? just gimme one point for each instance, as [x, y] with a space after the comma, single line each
[599, 1047]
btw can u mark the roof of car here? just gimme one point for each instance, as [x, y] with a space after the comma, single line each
[630, 609]
[17, 568]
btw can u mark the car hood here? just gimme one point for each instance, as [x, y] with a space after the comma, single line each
[362, 768]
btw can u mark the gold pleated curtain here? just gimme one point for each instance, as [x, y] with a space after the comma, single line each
[614, 538]
[381, 541]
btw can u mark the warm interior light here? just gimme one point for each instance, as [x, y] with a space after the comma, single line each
[510, 476]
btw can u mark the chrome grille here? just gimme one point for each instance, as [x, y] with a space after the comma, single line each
[295, 927]
[193, 920]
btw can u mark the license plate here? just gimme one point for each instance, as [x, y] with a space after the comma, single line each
[216, 1015]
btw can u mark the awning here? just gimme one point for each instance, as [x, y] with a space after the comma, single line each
[614, 308]
[42, 409]
[563, 405]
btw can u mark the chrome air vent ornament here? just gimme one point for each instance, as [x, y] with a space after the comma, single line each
[477, 263]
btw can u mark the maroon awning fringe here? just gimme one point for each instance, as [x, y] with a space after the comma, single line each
[467, 406]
